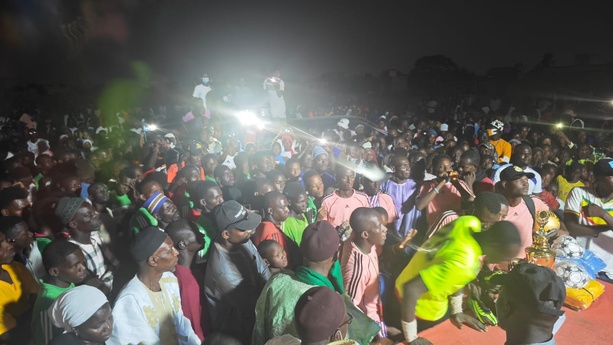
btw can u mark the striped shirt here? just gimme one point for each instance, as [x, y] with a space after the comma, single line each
[361, 280]
[383, 200]
[442, 220]
[96, 257]
[601, 245]
[448, 198]
[140, 220]
[43, 329]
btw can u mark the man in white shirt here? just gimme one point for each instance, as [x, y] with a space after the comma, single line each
[201, 90]
[588, 215]
[275, 87]
[148, 309]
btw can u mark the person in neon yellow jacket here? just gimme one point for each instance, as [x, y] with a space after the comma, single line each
[432, 282]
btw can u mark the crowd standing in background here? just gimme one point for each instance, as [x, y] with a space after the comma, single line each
[195, 230]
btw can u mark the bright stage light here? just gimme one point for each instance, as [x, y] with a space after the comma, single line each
[373, 174]
[248, 118]
[151, 128]
[251, 119]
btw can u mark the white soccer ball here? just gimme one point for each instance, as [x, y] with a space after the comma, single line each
[572, 273]
[567, 247]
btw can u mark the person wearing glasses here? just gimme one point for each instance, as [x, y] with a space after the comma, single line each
[27, 248]
[18, 291]
[235, 272]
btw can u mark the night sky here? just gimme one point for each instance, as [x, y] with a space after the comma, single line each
[178, 39]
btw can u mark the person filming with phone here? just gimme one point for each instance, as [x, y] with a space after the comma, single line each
[446, 192]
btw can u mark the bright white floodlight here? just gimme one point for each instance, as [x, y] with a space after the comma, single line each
[248, 118]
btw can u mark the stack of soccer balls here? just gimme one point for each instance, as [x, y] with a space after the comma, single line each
[570, 265]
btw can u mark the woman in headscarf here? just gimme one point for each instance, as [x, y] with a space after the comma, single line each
[85, 315]
[287, 143]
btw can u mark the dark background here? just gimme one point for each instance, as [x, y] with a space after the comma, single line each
[166, 45]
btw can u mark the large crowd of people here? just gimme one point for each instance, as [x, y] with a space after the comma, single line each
[115, 232]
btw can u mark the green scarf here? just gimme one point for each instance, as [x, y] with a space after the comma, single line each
[123, 200]
[140, 220]
[334, 280]
[36, 179]
[311, 212]
[207, 229]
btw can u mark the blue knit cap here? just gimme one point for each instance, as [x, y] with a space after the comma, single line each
[318, 150]
[155, 202]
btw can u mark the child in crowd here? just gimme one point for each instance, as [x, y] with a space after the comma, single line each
[277, 177]
[299, 214]
[65, 266]
[553, 189]
[274, 255]
[360, 263]
[293, 171]
[276, 212]
[547, 177]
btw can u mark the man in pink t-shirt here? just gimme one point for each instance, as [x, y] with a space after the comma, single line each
[337, 207]
[377, 198]
[515, 187]
[446, 192]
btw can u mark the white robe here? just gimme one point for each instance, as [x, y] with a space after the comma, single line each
[135, 318]
[276, 102]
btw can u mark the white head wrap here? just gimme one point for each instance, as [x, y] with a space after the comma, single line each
[76, 306]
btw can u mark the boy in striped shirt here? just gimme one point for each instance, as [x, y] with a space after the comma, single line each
[360, 264]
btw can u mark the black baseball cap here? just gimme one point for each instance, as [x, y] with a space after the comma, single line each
[535, 286]
[513, 172]
[233, 214]
[604, 167]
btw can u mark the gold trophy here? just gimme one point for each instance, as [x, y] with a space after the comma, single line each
[541, 253]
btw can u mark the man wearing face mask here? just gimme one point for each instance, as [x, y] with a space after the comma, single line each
[201, 91]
